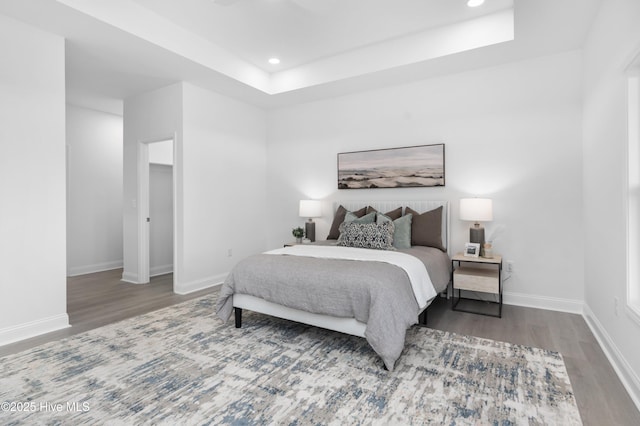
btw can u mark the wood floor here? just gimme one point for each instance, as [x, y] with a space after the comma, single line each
[98, 299]
[94, 300]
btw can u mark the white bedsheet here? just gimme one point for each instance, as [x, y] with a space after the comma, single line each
[416, 271]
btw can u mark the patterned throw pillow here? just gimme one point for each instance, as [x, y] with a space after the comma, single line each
[367, 235]
[334, 233]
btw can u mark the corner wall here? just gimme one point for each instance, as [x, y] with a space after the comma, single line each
[32, 176]
[152, 116]
[220, 186]
[511, 133]
[613, 42]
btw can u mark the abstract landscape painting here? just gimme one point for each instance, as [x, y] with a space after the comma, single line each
[414, 166]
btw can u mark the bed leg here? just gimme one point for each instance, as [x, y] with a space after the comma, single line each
[422, 319]
[238, 312]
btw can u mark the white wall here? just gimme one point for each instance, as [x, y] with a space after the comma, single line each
[94, 190]
[613, 42]
[161, 214]
[219, 169]
[512, 133]
[32, 182]
[150, 117]
[224, 188]
[161, 152]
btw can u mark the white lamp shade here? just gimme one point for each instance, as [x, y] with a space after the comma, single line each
[476, 209]
[310, 208]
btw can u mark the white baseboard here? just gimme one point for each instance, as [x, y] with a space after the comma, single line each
[90, 269]
[625, 373]
[190, 287]
[129, 277]
[571, 306]
[160, 270]
[132, 278]
[33, 328]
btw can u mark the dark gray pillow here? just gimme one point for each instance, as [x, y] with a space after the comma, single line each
[426, 228]
[367, 235]
[338, 218]
[393, 214]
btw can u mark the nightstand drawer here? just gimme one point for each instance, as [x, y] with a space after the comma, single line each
[476, 279]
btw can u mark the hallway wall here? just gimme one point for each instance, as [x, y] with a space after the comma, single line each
[94, 190]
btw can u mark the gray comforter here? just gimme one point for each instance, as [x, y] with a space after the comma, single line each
[375, 293]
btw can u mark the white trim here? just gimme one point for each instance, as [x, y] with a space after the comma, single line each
[98, 267]
[631, 200]
[130, 277]
[143, 212]
[572, 306]
[154, 271]
[197, 285]
[625, 373]
[144, 269]
[633, 67]
[633, 312]
[178, 209]
[33, 328]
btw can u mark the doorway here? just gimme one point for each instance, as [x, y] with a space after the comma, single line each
[160, 208]
[157, 209]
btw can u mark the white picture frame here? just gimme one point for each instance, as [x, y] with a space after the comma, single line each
[471, 249]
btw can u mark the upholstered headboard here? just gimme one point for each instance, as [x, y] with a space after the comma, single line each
[419, 206]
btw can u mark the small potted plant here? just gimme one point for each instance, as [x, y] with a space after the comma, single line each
[298, 233]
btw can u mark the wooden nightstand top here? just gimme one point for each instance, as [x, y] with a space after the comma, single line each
[459, 257]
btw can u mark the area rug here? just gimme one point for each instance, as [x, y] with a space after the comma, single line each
[180, 365]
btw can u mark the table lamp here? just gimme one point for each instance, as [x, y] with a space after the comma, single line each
[310, 209]
[476, 210]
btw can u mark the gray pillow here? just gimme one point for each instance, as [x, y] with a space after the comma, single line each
[367, 235]
[367, 218]
[402, 232]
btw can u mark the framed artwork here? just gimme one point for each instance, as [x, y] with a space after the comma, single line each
[413, 166]
[471, 249]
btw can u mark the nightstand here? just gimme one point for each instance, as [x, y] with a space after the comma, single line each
[476, 274]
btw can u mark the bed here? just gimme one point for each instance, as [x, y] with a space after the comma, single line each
[375, 294]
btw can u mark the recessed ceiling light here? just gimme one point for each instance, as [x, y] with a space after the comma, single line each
[274, 61]
[475, 3]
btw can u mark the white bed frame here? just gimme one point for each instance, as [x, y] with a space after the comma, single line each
[343, 325]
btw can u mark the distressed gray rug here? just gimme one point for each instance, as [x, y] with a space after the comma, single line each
[180, 365]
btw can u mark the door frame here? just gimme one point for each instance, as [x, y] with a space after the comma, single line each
[143, 207]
